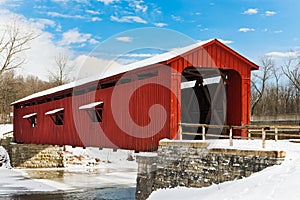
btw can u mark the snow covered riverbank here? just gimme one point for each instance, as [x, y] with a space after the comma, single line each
[5, 128]
[276, 183]
[113, 170]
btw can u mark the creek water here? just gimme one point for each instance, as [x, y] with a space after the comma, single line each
[102, 184]
[95, 194]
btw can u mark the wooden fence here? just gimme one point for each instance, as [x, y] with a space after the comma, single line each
[262, 132]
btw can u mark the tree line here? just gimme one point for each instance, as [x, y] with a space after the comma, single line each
[275, 88]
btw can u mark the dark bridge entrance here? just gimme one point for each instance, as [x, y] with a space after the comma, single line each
[203, 99]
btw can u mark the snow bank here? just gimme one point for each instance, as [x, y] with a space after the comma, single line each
[100, 158]
[276, 183]
[4, 158]
[5, 128]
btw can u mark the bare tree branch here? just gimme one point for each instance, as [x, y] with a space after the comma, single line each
[291, 69]
[13, 42]
[61, 74]
[267, 64]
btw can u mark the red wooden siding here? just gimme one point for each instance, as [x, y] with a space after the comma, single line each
[79, 130]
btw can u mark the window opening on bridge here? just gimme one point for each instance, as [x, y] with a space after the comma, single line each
[94, 110]
[57, 115]
[32, 119]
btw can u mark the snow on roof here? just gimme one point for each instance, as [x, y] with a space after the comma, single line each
[111, 71]
[51, 112]
[90, 105]
[29, 115]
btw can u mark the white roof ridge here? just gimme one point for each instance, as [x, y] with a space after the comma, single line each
[139, 64]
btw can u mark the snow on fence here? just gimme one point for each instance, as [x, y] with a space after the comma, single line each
[253, 132]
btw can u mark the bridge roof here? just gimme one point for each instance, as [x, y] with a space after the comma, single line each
[114, 70]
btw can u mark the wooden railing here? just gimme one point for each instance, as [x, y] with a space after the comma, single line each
[263, 131]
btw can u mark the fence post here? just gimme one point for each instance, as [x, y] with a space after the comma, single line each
[276, 134]
[180, 131]
[230, 137]
[203, 132]
[249, 134]
[263, 135]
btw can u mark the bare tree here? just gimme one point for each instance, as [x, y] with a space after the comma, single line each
[61, 74]
[14, 41]
[259, 81]
[291, 69]
[277, 75]
[8, 93]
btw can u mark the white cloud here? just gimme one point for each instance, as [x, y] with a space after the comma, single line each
[160, 24]
[3, 1]
[221, 40]
[128, 19]
[56, 14]
[138, 6]
[204, 29]
[96, 19]
[251, 11]
[93, 41]
[93, 12]
[40, 62]
[40, 56]
[66, 1]
[74, 36]
[107, 2]
[43, 23]
[278, 31]
[139, 55]
[246, 30]
[124, 39]
[225, 41]
[284, 54]
[176, 18]
[270, 13]
[58, 28]
[60, 1]
[89, 66]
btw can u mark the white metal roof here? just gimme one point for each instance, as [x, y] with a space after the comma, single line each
[90, 105]
[29, 115]
[51, 112]
[111, 71]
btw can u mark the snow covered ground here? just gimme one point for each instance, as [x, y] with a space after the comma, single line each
[273, 183]
[113, 170]
[5, 128]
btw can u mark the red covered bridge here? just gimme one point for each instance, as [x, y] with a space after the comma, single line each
[135, 106]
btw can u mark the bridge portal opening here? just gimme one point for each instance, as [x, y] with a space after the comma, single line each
[203, 100]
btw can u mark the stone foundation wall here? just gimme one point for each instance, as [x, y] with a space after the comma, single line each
[192, 164]
[146, 175]
[33, 156]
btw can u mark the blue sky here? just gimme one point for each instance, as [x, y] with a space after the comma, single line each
[254, 28]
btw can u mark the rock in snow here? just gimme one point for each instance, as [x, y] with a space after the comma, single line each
[4, 158]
